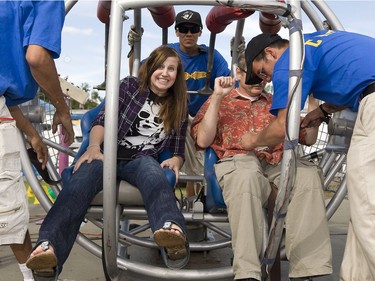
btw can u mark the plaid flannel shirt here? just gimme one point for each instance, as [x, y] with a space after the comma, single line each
[131, 100]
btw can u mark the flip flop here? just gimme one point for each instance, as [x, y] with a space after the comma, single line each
[38, 166]
[44, 264]
[174, 244]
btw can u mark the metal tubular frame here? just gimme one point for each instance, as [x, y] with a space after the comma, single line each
[117, 266]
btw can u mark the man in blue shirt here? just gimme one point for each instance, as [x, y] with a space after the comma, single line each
[339, 68]
[194, 56]
[28, 44]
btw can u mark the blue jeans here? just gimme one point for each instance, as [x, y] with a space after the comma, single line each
[63, 220]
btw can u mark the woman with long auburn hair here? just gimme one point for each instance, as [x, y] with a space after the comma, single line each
[151, 118]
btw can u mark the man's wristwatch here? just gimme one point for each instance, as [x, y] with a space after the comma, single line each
[327, 116]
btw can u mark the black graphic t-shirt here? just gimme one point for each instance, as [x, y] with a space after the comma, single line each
[146, 131]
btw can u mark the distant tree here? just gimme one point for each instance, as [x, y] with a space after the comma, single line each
[93, 100]
[93, 97]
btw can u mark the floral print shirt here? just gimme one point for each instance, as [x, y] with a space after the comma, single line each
[238, 115]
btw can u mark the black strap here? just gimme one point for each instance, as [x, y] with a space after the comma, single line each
[369, 89]
[38, 166]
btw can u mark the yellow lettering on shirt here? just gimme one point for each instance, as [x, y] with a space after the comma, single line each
[312, 43]
[318, 42]
[195, 75]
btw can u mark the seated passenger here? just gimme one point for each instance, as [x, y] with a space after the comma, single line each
[246, 177]
[152, 117]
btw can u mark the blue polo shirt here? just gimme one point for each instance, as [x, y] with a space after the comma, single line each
[338, 66]
[24, 23]
[195, 68]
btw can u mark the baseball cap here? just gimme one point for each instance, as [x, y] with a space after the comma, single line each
[256, 45]
[188, 16]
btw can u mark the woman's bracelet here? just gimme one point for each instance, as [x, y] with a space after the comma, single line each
[91, 145]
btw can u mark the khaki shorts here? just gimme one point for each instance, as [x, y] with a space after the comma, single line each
[14, 212]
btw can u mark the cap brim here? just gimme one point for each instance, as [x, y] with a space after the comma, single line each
[251, 79]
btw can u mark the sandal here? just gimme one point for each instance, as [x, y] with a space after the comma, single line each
[175, 245]
[38, 166]
[44, 264]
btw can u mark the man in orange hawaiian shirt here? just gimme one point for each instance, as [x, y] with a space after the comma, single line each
[245, 178]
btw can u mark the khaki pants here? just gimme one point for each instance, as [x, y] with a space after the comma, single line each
[359, 256]
[194, 160]
[246, 187]
[14, 212]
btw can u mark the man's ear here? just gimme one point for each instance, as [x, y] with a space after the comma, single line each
[238, 73]
[271, 51]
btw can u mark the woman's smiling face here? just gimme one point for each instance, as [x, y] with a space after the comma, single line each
[164, 77]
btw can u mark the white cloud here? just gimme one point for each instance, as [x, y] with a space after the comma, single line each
[78, 31]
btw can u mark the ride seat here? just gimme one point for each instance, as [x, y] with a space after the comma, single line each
[128, 194]
[214, 201]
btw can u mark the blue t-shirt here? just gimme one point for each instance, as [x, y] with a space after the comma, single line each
[338, 66]
[26, 23]
[195, 68]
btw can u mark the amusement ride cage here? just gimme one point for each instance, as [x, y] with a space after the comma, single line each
[329, 152]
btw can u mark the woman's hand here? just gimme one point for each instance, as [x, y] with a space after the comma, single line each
[174, 164]
[92, 153]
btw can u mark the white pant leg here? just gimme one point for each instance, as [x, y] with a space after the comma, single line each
[14, 212]
[359, 256]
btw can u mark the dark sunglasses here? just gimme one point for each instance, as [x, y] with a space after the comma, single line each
[185, 29]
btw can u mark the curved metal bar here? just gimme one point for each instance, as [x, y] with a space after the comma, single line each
[273, 7]
[194, 246]
[313, 16]
[59, 147]
[334, 170]
[170, 274]
[337, 199]
[154, 271]
[329, 162]
[69, 4]
[32, 179]
[111, 127]
[327, 12]
[288, 164]
[111, 121]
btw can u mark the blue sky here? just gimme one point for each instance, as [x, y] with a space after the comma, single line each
[82, 57]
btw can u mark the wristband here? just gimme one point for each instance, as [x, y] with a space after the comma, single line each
[327, 116]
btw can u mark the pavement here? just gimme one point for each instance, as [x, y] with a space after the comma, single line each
[84, 266]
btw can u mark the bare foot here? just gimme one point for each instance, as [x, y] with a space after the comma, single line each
[43, 257]
[171, 237]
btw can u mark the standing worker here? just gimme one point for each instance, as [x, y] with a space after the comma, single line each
[339, 68]
[28, 44]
